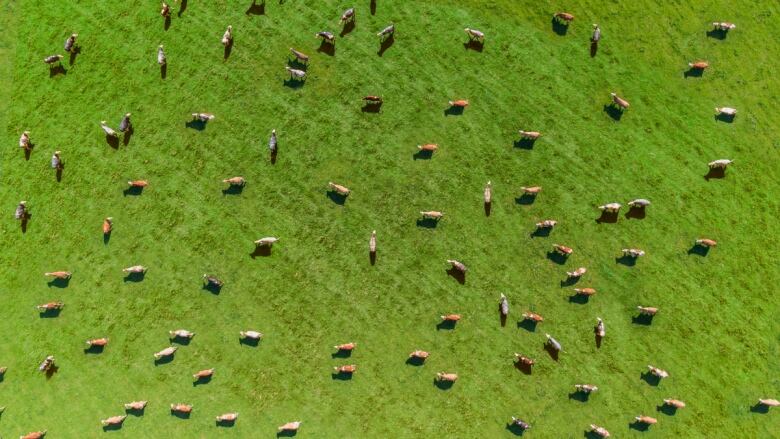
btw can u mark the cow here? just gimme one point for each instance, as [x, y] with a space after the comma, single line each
[553, 343]
[227, 417]
[300, 56]
[348, 16]
[107, 129]
[698, 65]
[235, 181]
[339, 189]
[135, 269]
[202, 374]
[585, 291]
[577, 273]
[645, 420]
[769, 402]
[47, 364]
[52, 59]
[97, 342]
[546, 224]
[372, 242]
[161, 59]
[290, 426]
[647, 310]
[387, 32]
[327, 37]
[432, 214]
[530, 190]
[114, 420]
[585, 388]
[529, 135]
[70, 42]
[600, 431]
[21, 211]
[180, 333]
[639, 203]
[138, 183]
[619, 102]
[457, 265]
[428, 147]
[705, 242]
[108, 225]
[165, 11]
[50, 306]
[371, 99]
[34, 435]
[181, 408]
[723, 25]
[610, 207]
[523, 360]
[251, 335]
[203, 117]
[56, 160]
[272, 142]
[213, 281]
[227, 37]
[676, 403]
[563, 17]
[488, 193]
[633, 252]
[520, 423]
[660, 373]
[446, 377]
[532, 316]
[422, 355]
[596, 36]
[125, 124]
[24, 141]
[504, 304]
[58, 274]
[459, 103]
[450, 318]
[562, 250]
[601, 331]
[135, 405]
[167, 352]
[720, 163]
[266, 242]
[345, 347]
[475, 35]
[346, 369]
[726, 111]
[2, 372]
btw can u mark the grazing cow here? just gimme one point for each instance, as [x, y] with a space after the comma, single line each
[432, 214]
[107, 129]
[203, 117]
[296, 73]
[114, 420]
[633, 252]
[181, 408]
[619, 102]
[422, 355]
[135, 405]
[428, 147]
[161, 59]
[125, 124]
[520, 423]
[601, 330]
[639, 202]
[577, 273]
[213, 281]
[611, 207]
[272, 141]
[596, 36]
[50, 306]
[327, 37]
[532, 316]
[450, 317]
[227, 37]
[647, 310]
[720, 163]
[135, 269]
[21, 211]
[339, 189]
[529, 135]
[167, 352]
[2, 372]
[457, 265]
[180, 333]
[138, 183]
[345, 347]
[553, 343]
[348, 16]
[371, 99]
[300, 56]
[227, 417]
[676, 403]
[47, 364]
[34, 435]
[698, 65]
[266, 242]
[660, 373]
[235, 181]
[24, 141]
[372, 242]
[723, 25]
[475, 35]
[769, 402]
[530, 190]
[201, 374]
[447, 377]
[347, 368]
[97, 342]
[460, 103]
[488, 193]
[601, 431]
[705, 242]
[504, 303]
[52, 59]
[523, 360]
[562, 250]
[726, 111]
[546, 224]
[586, 388]
[563, 17]
[290, 426]
[58, 274]
[387, 32]
[251, 335]
[166, 10]
[56, 160]
[646, 420]
[70, 42]
[585, 291]
[108, 225]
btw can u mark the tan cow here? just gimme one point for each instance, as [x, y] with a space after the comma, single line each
[339, 189]
[532, 316]
[532, 190]
[698, 65]
[676, 403]
[290, 426]
[345, 347]
[201, 374]
[58, 274]
[422, 355]
[647, 310]
[181, 408]
[529, 135]
[114, 420]
[135, 405]
[432, 214]
[706, 242]
[577, 273]
[450, 317]
[348, 369]
[601, 431]
[98, 342]
[428, 147]
[585, 291]
[619, 102]
[562, 249]
[646, 420]
[167, 352]
[447, 377]
[227, 417]
[660, 373]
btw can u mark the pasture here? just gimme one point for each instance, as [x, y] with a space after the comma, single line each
[717, 331]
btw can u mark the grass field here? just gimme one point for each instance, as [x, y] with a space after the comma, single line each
[717, 332]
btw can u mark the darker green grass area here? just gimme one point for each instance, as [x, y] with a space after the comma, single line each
[717, 331]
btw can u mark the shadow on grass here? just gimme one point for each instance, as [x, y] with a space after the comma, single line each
[261, 250]
[474, 45]
[180, 415]
[635, 212]
[372, 257]
[693, 73]
[386, 44]
[527, 324]
[294, 63]
[233, 189]
[286, 433]
[599, 339]
[579, 396]
[135, 412]
[133, 190]
[59, 283]
[716, 173]
[515, 429]
[607, 217]
[415, 361]
[225, 423]
[294, 83]
[113, 427]
[371, 107]
[336, 197]
[488, 207]
[525, 199]
[571, 280]
[348, 27]
[212, 288]
[442, 385]
[651, 379]
[228, 50]
[327, 48]
[249, 342]
[447, 325]
[668, 410]
[163, 360]
[728, 118]
[274, 153]
[134, 277]
[200, 381]
[525, 143]
[106, 238]
[128, 135]
[594, 48]
[74, 53]
[164, 71]
[614, 112]
[422, 155]
[699, 250]
[184, 341]
[759, 408]
[457, 275]
[28, 152]
[454, 111]
[24, 221]
[256, 9]
[341, 376]
[642, 319]
[372, 7]
[58, 173]
[556, 257]
[580, 299]
[93, 349]
[527, 369]
[718, 34]
[341, 354]
[638, 426]
[182, 7]
[167, 23]
[626, 260]
[559, 28]
[57, 70]
[428, 223]
[196, 124]
[541, 232]
[112, 141]
[592, 435]
[51, 371]
[551, 351]
[50, 313]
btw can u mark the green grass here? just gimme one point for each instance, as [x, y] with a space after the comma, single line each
[716, 333]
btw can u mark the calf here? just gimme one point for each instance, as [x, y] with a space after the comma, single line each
[529, 135]
[720, 163]
[475, 35]
[348, 16]
[300, 56]
[619, 102]
[432, 214]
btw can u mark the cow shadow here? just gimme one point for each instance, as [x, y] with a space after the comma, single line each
[551, 351]
[286, 433]
[525, 199]
[569, 281]
[592, 435]
[371, 107]
[446, 325]
[559, 28]
[24, 221]
[57, 70]
[728, 118]
[212, 288]
[422, 155]
[693, 73]
[128, 135]
[515, 429]
[718, 34]
[372, 257]
[106, 238]
[134, 277]
[94, 349]
[256, 9]
[74, 53]
[182, 7]
[51, 371]
[112, 141]
[341, 376]
[163, 360]
[759, 408]
[386, 44]
[638, 426]
[526, 369]
[614, 112]
[28, 152]
[180, 415]
[167, 23]
[651, 379]
[607, 217]
[580, 299]
[716, 173]
[327, 48]
[233, 189]
[274, 154]
[488, 207]
[541, 232]
[200, 381]
[474, 45]
[184, 341]
[113, 427]
[294, 83]
[341, 353]
[528, 324]
[642, 319]
[58, 172]
[668, 410]
[579, 396]
[556, 257]
[228, 50]
[594, 48]
[699, 250]
[164, 71]
[261, 250]
[50, 313]
[636, 212]
[59, 283]
[253, 342]
[372, 7]
[442, 384]
[525, 143]
[348, 27]
[626, 260]
[135, 412]
[599, 338]
[457, 275]
[454, 110]
[295, 64]
[336, 197]
[196, 124]
[415, 361]
[428, 223]
[225, 423]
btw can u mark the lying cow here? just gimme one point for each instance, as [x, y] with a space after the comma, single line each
[167, 352]
[339, 189]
